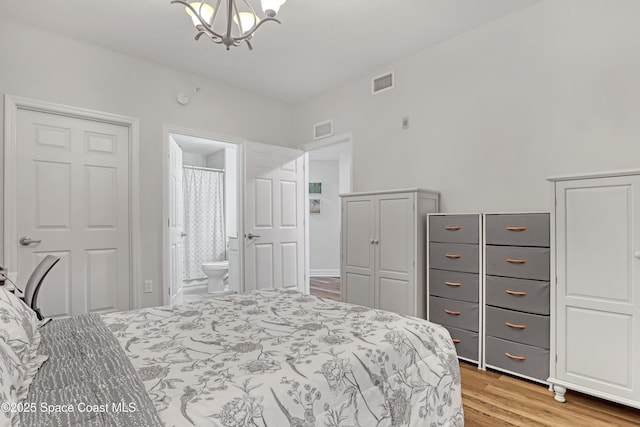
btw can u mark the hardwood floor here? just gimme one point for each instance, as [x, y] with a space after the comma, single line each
[325, 287]
[494, 399]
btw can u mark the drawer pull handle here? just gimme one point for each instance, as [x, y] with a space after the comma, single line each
[453, 256]
[456, 341]
[511, 325]
[518, 293]
[516, 261]
[453, 284]
[511, 356]
[453, 313]
[452, 227]
[515, 228]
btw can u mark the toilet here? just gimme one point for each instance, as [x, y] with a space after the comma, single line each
[217, 272]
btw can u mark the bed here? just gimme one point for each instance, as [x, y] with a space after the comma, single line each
[264, 358]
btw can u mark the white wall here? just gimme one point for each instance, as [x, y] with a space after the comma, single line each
[552, 89]
[193, 159]
[345, 171]
[216, 160]
[324, 228]
[44, 66]
[231, 191]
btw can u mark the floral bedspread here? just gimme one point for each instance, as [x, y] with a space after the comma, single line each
[281, 358]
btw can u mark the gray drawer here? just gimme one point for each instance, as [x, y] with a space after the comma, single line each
[531, 361]
[455, 285]
[525, 328]
[531, 296]
[454, 228]
[454, 256]
[519, 262]
[450, 312]
[466, 342]
[517, 229]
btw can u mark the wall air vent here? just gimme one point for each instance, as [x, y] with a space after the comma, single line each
[382, 83]
[322, 130]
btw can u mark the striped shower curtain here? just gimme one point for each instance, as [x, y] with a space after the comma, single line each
[203, 220]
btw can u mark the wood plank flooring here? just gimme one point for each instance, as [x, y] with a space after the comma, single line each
[493, 399]
[325, 287]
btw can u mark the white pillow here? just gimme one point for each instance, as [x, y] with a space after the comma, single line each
[11, 376]
[18, 326]
[19, 331]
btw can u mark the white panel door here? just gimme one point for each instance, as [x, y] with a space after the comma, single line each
[176, 223]
[73, 197]
[598, 285]
[274, 217]
[358, 248]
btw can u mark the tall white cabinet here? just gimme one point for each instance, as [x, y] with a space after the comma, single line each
[596, 303]
[383, 249]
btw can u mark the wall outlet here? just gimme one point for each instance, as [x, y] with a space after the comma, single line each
[148, 286]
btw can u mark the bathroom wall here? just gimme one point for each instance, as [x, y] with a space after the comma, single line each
[216, 160]
[193, 159]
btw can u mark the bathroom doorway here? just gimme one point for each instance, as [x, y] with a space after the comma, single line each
[203, 218]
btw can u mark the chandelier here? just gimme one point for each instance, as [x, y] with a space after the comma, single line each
[240, 18]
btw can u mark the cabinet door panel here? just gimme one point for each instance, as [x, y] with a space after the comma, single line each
[358, 289]
[395, 234]
[393, 295]
[358, 225]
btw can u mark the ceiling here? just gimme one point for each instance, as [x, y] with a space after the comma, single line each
[320, 45]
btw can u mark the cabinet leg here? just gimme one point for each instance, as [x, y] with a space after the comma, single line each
[560, 392]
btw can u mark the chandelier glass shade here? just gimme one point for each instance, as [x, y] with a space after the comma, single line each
[229, 22]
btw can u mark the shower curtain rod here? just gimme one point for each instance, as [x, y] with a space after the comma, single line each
[203, 169]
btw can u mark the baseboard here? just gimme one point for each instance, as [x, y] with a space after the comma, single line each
[324, 273]
[194, 283]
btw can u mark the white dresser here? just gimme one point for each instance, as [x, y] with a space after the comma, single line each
[596, 304]
[383, 249]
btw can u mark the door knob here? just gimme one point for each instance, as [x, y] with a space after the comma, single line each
[637, 254]
[26, 241]
[251, 236]
[183, 234]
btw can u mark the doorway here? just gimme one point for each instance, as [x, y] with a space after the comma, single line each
[329, 175]
[203, 214]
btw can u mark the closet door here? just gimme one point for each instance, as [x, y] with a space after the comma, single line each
[598, 286]
[358, 243]
[395, 256]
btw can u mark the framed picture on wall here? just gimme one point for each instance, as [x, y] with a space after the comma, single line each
[314, 206]
[315, 188]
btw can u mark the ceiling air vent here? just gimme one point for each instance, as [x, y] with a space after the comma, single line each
[382, 83]
[322, 130]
